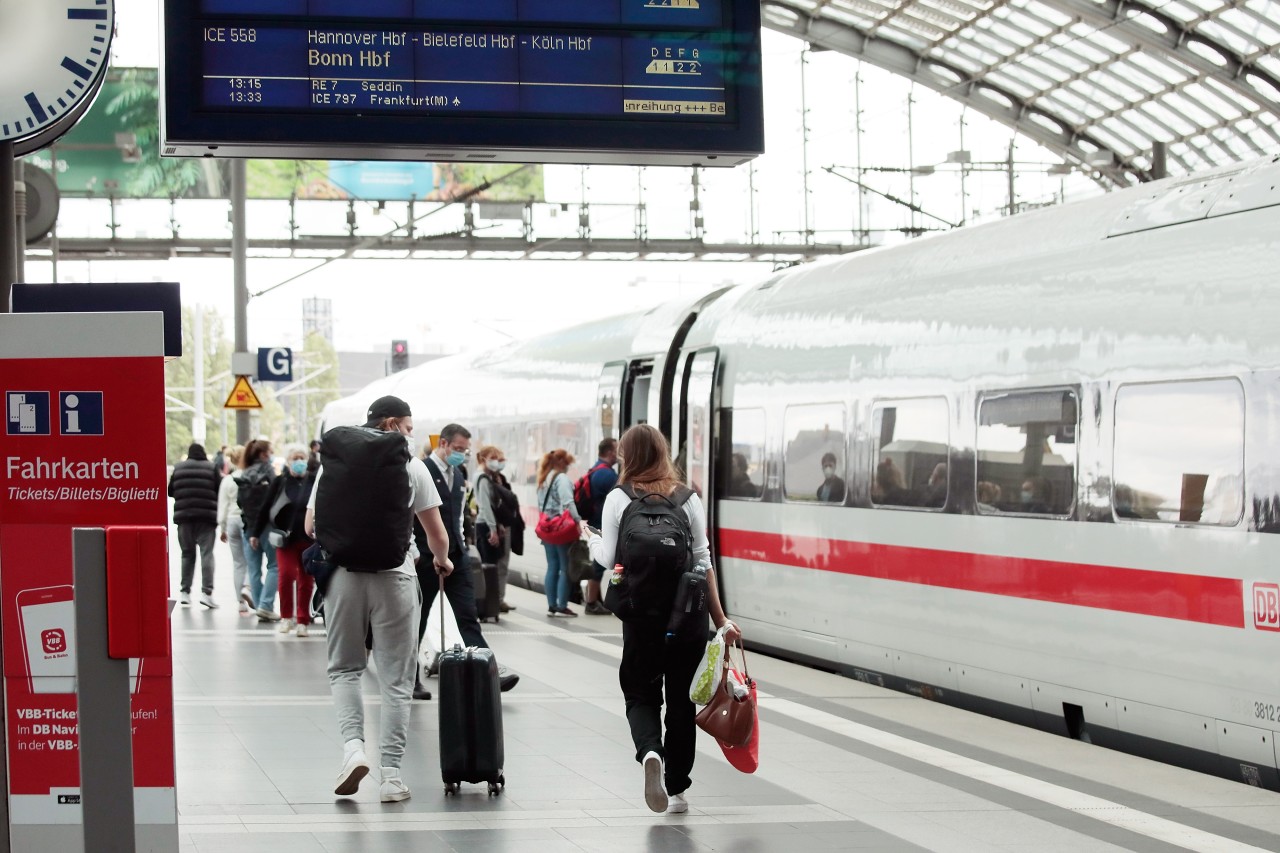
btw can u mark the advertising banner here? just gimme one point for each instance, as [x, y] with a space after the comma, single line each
[114, 151]
[83, 445]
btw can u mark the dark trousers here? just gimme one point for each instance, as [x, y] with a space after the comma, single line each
[462, 597]
[192, 535]
[649, 661]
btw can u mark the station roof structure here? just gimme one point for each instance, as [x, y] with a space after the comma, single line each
[1097, 81]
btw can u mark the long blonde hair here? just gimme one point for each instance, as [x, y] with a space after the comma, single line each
[555, 459]
[645, 459]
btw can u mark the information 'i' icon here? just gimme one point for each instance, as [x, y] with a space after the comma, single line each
[73, 417]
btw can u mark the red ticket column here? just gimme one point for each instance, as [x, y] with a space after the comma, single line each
[83, 445]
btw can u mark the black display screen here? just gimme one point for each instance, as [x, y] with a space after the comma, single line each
[609, 81]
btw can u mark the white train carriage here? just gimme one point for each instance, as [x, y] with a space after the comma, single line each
[1030, 468]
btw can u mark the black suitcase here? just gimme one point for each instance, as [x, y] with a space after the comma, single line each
[485, 580]
[471, 748]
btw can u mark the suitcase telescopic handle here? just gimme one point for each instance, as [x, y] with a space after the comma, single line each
[441, 593]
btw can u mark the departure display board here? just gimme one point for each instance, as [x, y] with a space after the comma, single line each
[645, 82]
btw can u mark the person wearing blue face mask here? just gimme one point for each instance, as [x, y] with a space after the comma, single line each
[283, 517]
[446, 466]
[497, 511]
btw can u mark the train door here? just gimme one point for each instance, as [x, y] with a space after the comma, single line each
[609, 399]
[697, 406]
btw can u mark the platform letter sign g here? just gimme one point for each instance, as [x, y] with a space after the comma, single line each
[1266, 607]
[275, 364]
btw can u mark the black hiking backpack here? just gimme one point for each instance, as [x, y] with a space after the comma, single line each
[655, 549]
[363, 518]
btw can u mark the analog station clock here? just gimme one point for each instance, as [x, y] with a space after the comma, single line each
[53, 56]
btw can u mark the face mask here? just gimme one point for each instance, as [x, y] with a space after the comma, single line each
[828, 471]
[1026, 497]
[455, 458]
[413, 445]
[298, 467]
[495, 465]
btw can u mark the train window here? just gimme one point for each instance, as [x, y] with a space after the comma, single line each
[1027, 452]
[913, 441]
[813, 467]
[1179, 452]
[608, 399]
[745, 466]
[536, 444]
[572, 436]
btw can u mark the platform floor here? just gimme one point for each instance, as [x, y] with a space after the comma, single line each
[844, 765]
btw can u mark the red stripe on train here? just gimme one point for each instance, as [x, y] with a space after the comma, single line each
[1193, 598]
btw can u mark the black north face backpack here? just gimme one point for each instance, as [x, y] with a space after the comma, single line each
[655, 548]
[363, 518]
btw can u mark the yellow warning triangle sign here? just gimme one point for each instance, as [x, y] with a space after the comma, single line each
[242, 396]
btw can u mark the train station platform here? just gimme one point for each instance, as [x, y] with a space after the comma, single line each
[843, 766]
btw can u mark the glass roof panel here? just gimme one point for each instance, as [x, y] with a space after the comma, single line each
[1227, 36]
[1208, 96]
[1125, 83]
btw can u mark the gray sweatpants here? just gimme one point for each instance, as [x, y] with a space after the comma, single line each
[389, 603]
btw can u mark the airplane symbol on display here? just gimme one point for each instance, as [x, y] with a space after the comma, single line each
[457, 103]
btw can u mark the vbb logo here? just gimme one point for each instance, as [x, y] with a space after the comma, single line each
[54, 641]
[1266, 606]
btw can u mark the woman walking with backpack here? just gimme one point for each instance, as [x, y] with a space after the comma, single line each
[648, 658]
[555, 496]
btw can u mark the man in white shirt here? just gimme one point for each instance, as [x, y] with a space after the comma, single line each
[388, 603]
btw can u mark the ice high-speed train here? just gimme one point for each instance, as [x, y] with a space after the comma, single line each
[1052, 447]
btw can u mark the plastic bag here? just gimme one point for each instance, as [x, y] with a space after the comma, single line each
[441, 611]
[706, 679]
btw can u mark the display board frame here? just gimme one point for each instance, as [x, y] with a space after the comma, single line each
[193, 126]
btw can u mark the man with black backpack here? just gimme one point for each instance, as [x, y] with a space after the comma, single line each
[367, 492]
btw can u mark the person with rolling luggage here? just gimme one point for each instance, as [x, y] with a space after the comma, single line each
[367, 492]
[444, 464]
[654, 534]
[471, 742]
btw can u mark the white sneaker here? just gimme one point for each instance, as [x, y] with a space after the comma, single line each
[207, 601]
[286, 625]
[655, 789]
[244, 608]
[184, 598]
[677, 804]
[393, 789]
[302, 631]
[354, 768]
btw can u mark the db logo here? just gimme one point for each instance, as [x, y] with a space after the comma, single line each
[1266, 607]
[55, 641]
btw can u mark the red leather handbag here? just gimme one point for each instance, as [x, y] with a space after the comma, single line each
[559, 529]
[730, 720]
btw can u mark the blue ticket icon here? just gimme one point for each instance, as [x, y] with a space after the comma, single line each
[27, 412]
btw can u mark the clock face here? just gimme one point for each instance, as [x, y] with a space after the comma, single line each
[53, 54]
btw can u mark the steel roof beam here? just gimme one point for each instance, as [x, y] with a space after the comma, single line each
[1110, 15]
[905, 62]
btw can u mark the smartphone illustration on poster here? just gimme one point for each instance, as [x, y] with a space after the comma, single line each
[48, 619]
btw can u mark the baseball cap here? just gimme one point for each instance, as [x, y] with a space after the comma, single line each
[387, 407]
